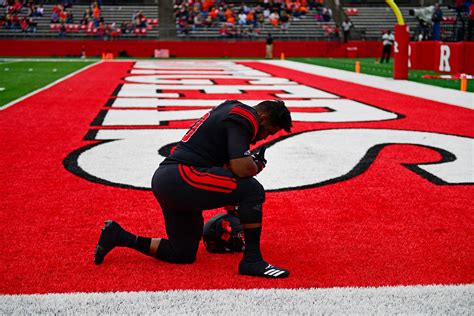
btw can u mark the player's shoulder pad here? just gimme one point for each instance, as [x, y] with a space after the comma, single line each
[246, 115]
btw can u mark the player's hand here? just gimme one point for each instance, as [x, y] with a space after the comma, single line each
[260, 160]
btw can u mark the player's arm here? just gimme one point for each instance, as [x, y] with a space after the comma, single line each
[241, 162]
[243, 167]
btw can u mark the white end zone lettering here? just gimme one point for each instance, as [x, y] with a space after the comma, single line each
[127, 157]
[308, 159]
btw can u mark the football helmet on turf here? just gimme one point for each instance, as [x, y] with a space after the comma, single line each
[223, 233]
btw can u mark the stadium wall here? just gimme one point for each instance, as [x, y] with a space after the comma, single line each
[429, 55]
[246, 49]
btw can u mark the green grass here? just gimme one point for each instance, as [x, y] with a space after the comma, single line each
[18, 78]
[369, 66]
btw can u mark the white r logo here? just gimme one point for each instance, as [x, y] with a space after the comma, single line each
[445, 53]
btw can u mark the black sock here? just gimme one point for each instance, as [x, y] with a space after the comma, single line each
[130, 240]
[252, 244]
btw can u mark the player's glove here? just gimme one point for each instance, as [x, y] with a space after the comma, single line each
[232, 209]
[260, 160]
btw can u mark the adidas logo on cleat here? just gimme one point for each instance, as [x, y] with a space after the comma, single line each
[274, 272]
[262, 269]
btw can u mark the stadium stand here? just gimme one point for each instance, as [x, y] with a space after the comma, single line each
[304, 27]
[112, 15]
[369, 24]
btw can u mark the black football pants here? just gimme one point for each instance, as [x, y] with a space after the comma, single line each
[183, 192]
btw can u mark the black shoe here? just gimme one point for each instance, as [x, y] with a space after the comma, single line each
[262, 269]
[107, 241]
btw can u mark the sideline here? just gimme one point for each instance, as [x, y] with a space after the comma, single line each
[5, 60]
[425, 300]
[6, 106]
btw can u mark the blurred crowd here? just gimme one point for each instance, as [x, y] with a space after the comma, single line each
[93, 23]
[19, 16]
[244, 20]
[435, 24]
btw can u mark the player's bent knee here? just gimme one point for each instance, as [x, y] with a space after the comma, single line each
[184, 259]
[251, 214]
[181, 255]
[254, 193]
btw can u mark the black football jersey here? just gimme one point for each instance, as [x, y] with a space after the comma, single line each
[224, 133]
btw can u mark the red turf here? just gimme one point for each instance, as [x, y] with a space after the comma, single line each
[387, 226]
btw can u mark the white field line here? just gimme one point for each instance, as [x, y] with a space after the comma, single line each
[16, 60]
[46, 87]
[8, 62]
[425, 300]
[420, 90]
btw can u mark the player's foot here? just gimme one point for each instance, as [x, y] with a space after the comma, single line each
[262, 269]
[107, 241]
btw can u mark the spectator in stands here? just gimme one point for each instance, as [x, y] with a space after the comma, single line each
[114, 31]
[251, 20]
[11, 22]
[198, 19]
[387, 40]
[126, 27]
[57, 9]
[285, 21]
[274, 19]
[24, 25]
[266, 14]
[228, 12]
[221, 15]
[62, 30]
[31, 10]
[242, 18]
[32, 25]
[101, 30]
[294, 8]
[69, 18]
[96, 13]
[62, 16]
[140, 20]
[39, 10]
[470, 22]
[212, 16]
[346, 29]
[230, 18]
[326, 14]
[303, 9]
[86, 17]
[183, 25]
[190, 21]
[16, 7]
[259, 15]
[436, 18]
[224, 31]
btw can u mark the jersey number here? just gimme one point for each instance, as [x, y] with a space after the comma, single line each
[194, 128]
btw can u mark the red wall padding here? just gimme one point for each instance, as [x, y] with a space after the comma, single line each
[251, 49]
[424, 55]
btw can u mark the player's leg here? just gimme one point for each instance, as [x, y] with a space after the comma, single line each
[250, 212]
[184, 227]
[249, 195]
[184, 230]
[182, 214]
